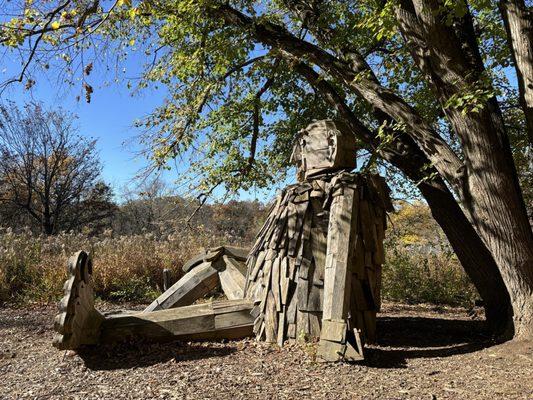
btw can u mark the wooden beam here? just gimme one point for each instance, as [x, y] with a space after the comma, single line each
[195, 284]
[232, 278]
[228, 319]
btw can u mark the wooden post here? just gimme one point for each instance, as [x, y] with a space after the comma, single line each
[342, 238]
[166, 279]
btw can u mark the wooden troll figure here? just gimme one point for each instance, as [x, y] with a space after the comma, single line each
[313, 272]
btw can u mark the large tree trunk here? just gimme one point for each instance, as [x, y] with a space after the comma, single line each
[473, 254]
[519, 26]
[491, 193]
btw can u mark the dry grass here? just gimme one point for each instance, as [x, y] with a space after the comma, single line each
[420, 265]
[126, 268]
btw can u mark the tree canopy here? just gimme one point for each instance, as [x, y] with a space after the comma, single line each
[235, 99]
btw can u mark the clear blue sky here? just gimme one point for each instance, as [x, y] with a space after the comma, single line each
[109, 117]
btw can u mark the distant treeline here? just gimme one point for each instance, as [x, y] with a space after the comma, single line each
[161, 216]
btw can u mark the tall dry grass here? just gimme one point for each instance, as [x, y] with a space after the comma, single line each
[420, 265]
[125, 268]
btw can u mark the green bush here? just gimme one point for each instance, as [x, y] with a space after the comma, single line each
[420, 266]
[412, 277]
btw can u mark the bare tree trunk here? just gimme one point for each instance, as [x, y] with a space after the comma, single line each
[497, 208]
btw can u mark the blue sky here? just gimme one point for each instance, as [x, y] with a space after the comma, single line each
[109, 118]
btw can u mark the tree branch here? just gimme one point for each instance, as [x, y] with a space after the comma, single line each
[356, 77]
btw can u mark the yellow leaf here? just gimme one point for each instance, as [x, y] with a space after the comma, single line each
[55, 25]
[132, 42]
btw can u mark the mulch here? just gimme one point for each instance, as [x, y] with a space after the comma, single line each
[423, 352]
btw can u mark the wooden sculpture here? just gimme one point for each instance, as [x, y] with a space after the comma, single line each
[314, 270]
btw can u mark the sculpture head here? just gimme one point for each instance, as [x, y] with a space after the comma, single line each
[324, 146]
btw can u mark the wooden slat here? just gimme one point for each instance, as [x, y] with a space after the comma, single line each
[271, 319]
[193, 285]
[275, 285]
[232, 279]
[337, 276]
[202, 321]
[367, 226]
[334, 331]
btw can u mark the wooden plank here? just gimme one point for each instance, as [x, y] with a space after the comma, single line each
[275, 285]
[354, 351]
[291, 331]
[194, 261]
[302, 293]
[195, 284]
[367, 226]
[337, 275]
[196, 322]
[238, 253]
[292, 269]
[271, 319]
[358, 266]
[334, 330]
[232, 279]
[257, 266]
[358, 294]
[303, 269]
[302, 324]
[315, 298]
[281, 328]
[330, 351]
[293, 305]
[301, 220]
[319, 249]
[284, 280]
[279, 231]
[314, 323]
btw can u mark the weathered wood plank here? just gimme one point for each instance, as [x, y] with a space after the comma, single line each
[337, 276]
[202, 321]
[275, 285]
[232, 279]
[193, 285]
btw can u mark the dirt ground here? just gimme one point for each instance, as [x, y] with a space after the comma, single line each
[423, 353]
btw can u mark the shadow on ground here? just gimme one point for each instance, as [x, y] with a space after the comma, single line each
[399, 339]
[135, 355]
[403, 338]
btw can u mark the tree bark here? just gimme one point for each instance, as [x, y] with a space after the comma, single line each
[473, 254]
[491, 194]
[518, 22]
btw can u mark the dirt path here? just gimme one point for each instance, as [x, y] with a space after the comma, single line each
[423, 353]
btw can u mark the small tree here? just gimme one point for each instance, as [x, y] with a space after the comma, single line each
[47, 170]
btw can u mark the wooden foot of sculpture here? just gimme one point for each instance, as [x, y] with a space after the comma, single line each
[78, 322]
